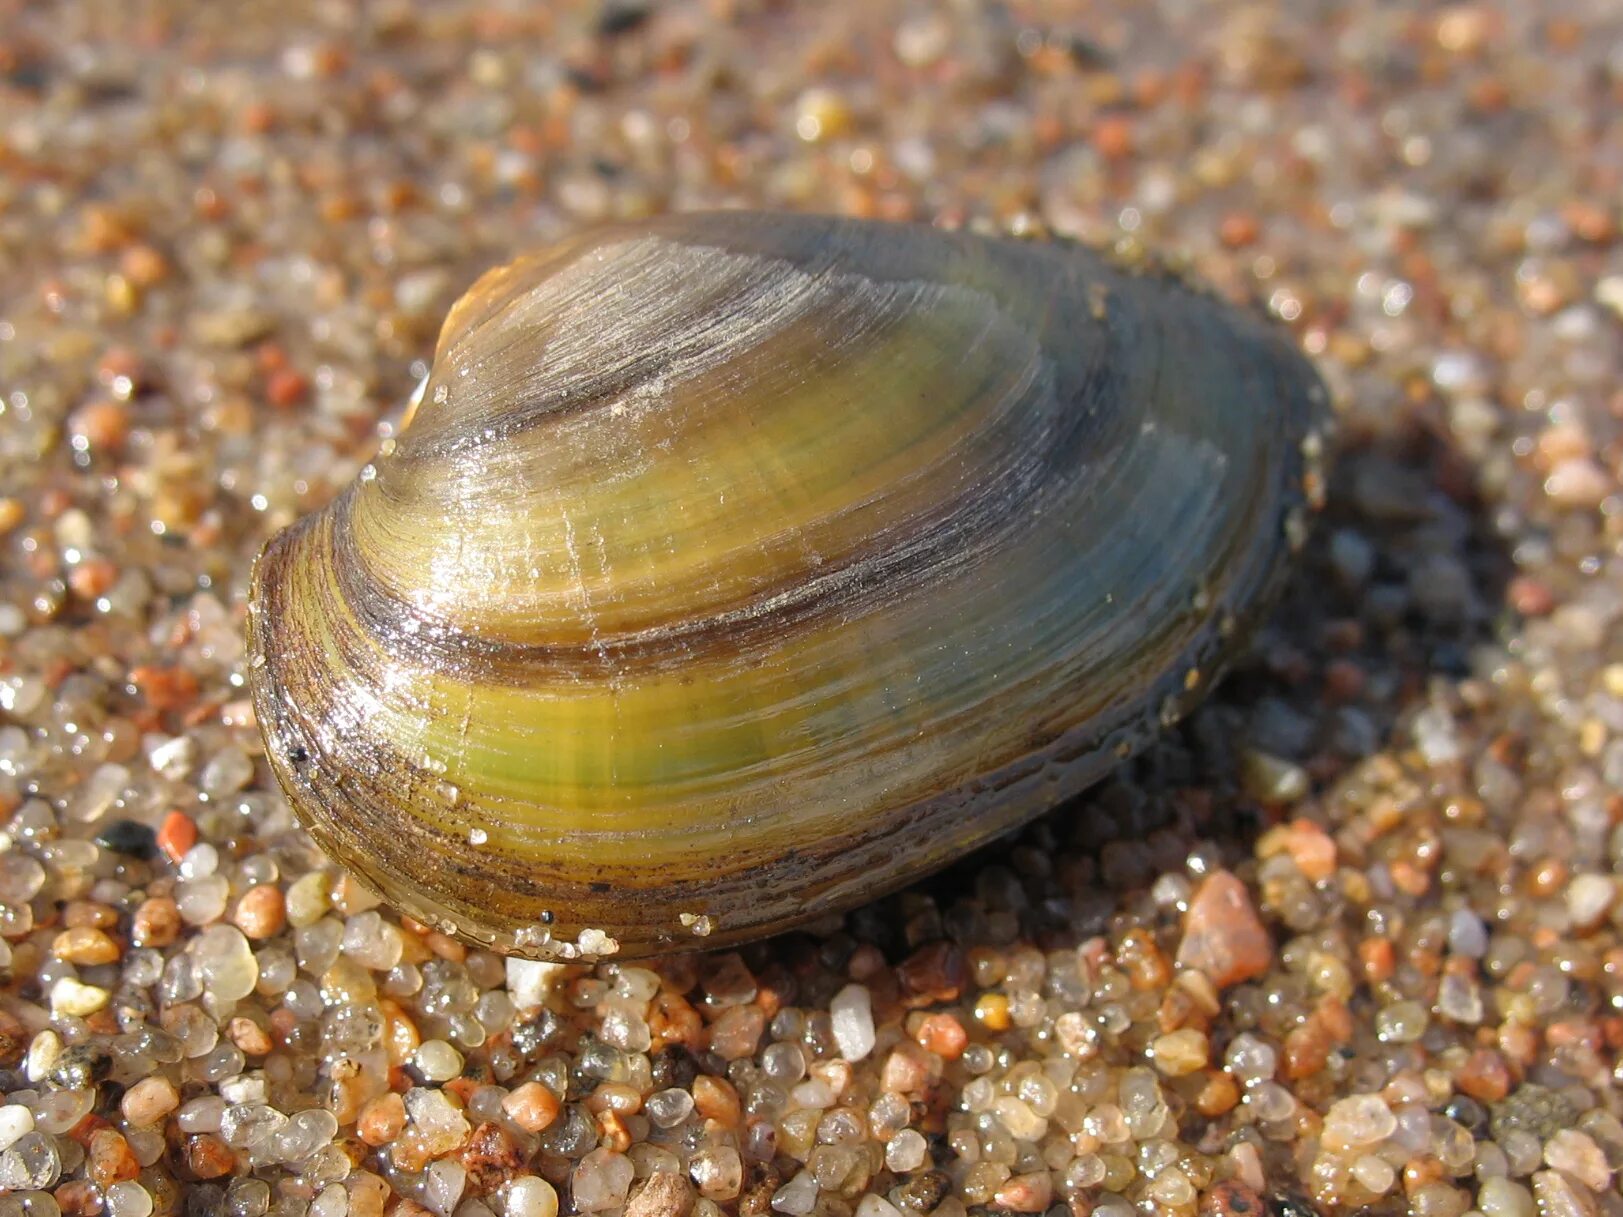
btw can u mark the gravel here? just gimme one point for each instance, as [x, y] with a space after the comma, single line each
[1348, 940]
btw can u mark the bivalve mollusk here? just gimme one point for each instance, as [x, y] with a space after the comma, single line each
[737, 568]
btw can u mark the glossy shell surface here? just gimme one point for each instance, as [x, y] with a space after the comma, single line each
[737, 568]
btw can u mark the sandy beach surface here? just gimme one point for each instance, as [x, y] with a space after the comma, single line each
[1348, 940]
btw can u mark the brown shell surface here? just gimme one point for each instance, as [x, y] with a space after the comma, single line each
[737, 568]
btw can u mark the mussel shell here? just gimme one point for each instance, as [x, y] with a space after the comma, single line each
[737, 568]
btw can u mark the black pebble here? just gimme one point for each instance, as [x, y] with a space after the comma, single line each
[128, 838]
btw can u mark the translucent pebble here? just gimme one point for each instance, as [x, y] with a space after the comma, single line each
[1363, 1119]
[304, 1133]
[201, 1115]
[201, 861]
[434, 1116]
[98, 793]
[443, 1184]
[308, 899]
[248, 1197]
[784, 1063]
[718, 1173]
[225, 962]
[1270, 1102]
[1467, 934]
[1250, 1059]
[495, 1012]
[57, 1111]
[1459, 998]
[906, 1151]
[31, 1164]
[1172, 1188]
[226, 772]
[797, 1197]
[601, 1180]
[1401, 1022]
[1590, 898]
[627, 1031]
[1022, 1123]
[44, 1050]
[889, 1114]
[851, 1013]
[812, 1093]
[225, 1061]
[875, 1205]
[244, 1125]
[372, 942]
[1375, 1174]
[128, 1199]
[317, 945]
[530, 1196]
[202, 901]
[1179, 1052]
[668, 1108]
[76, 999]
[437, 1061]
[331, 1201]
[15, 1121]
[1577, 1154]
[1504, 1198]
[21, 878]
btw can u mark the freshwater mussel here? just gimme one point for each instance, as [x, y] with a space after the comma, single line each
[737, 568]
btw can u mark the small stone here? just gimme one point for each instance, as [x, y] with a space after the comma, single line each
[1223, 937]
[1273, 779]
[601, 1180]
[74, 998]
[1577, 482]
[716, 1099]
[128, 1199]
[532, 1196]
[906, 1151]
[1501, 1197]
[851, 1012]
[149, 1101]
[664, 1195]
[737, 1033]
[1031, 1193]
[1180, 1052]
[156, 922]
[797, 1197]
[176, 835]
[130, 838]
[15, 1121]
[308, 899]
[262, 912]
[382, 1120]
[1362, 1119]
[225, 963]
[109, 1159]
[1589, 899]
[1375, 1174]
[85, 947]
[490, 1157]
[30, 1164]
[532, 1107]
[530, 980]
[1532, 1109]
[443, 1185]
[1578, 1155]
[437, 1061]
[718, 1172]
[1557, 1196]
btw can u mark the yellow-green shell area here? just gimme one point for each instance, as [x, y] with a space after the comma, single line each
[737, 568]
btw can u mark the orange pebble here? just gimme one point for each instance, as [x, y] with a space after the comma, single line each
[177, 835]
